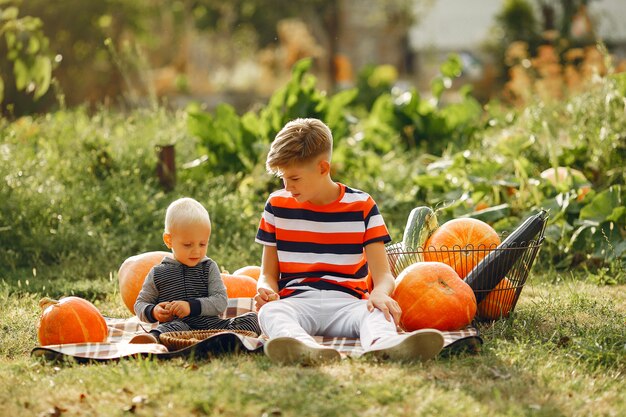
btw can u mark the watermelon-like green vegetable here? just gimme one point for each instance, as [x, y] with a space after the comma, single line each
[421, 223]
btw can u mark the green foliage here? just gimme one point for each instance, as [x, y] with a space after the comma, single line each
[518, 21]
[235, 144]
[105, 204]
[27, 49]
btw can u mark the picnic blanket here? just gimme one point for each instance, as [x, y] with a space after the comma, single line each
[121, 330]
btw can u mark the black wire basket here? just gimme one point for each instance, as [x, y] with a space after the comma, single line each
[496, 274]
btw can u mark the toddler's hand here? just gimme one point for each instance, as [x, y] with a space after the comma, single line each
[264, 296]
[179, 309]
[162, 313]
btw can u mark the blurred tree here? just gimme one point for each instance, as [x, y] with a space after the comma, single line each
[106, 47]
[26, 73]
[77, 30]
[323, 17]
[539, 22]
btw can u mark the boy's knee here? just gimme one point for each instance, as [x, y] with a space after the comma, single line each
[270, 309]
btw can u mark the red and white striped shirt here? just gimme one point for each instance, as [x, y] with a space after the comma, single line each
[322, 247]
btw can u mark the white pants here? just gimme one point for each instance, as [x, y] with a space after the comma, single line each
[324, 313]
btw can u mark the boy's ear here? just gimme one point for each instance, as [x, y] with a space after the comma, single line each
[167, 239]
[324, 167]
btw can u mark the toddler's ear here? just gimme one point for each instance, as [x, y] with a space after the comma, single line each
[167, 239]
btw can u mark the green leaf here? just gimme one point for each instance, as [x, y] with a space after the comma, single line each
[22, 74]
[618, 214]
[437, 87]
[34, 45]
[11, 39]
[42, 74]
[10, 13]
[337, 105]
[452, 67]
[600, 209]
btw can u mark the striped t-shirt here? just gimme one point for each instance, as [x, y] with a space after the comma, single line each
[322, 247]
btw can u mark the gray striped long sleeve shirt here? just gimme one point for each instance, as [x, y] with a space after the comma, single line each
[200, 285]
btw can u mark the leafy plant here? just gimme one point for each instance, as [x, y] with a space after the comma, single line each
[27, 51]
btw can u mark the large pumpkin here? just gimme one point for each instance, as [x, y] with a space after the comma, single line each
[431, 295]
[252, 271]
[133, 272]
[449, 244]
[499, 302]
[239, 286]
[70, 320]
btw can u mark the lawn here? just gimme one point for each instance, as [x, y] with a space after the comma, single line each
[562, 353]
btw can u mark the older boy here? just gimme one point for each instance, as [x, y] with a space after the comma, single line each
[320, 240]
[186, 292]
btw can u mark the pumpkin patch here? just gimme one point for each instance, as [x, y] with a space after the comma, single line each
[431, 295]
[461, 243]
[70, 320]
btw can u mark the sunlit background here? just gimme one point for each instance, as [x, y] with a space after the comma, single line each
[129, 53]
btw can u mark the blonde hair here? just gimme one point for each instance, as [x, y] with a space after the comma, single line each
[300, 140]
[185, 212]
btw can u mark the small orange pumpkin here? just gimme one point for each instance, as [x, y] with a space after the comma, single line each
[133, 272]
[499, 302]
[252, 271]
[481, 206]
[239, 286]
[449, 244]
[70, 320]
[431, 295]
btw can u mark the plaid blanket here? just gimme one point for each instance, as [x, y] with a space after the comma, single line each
[122, 330]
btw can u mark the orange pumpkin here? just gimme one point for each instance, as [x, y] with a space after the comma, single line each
[449, 244]
[70, 320]
[133, 272]
[239, 286]
[431, 295]
[499, 302]
[252, 271]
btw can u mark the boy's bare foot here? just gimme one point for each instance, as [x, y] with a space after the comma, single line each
[287, 350]
[419, 345]
[144, 338]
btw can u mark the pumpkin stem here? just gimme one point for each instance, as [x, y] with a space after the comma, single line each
[47, 301]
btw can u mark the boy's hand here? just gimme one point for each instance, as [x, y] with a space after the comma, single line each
[179, 309]
[386, 304]
[264, 296]
[161, 312]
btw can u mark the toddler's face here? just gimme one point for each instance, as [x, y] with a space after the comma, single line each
[188, 243]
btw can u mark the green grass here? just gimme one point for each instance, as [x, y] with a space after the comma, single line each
[562, 353]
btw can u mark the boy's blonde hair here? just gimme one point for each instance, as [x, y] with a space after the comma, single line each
[301, 140]
[184, 212]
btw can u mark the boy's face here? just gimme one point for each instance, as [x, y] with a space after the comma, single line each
[188, 243]
[304, 180]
